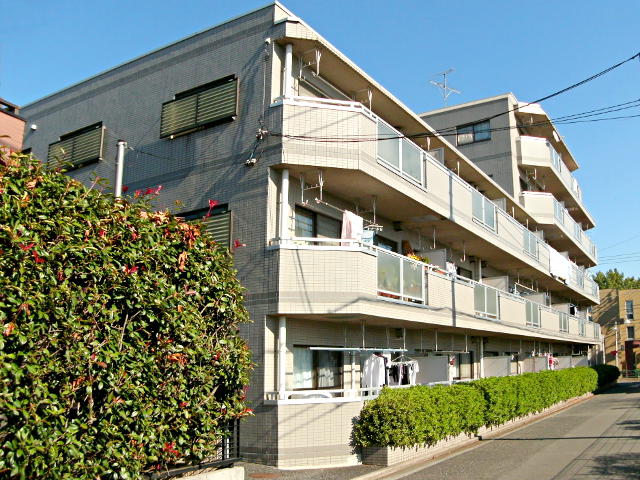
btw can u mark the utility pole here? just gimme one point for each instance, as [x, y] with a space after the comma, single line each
[122, 145]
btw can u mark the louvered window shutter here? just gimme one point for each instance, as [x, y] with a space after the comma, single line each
[219, 226]
[200, 107]
[77, 148]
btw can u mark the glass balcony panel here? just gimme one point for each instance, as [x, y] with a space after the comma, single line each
[479, 298]
[477, 207]
[411, 160]
[412, 280]
[388, 150]
[492, 302]
[489, 214]
[388, 273]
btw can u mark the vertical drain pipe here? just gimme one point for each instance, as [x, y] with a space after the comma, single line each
[282, 358]
[288, 71]
[284, 207]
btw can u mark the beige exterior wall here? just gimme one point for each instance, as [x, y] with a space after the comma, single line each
[612, 313]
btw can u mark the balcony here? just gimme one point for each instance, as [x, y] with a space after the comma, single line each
[320, 276]
[538, 155]
[410, 186]
[560, 229]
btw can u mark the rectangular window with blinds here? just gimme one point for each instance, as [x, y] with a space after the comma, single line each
[201, 107]
[77, 148]
[219, 224]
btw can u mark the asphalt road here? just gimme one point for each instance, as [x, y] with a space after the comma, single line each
[596, 439]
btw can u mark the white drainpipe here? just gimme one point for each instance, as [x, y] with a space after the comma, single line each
[282, 358]
[288, 71]
[284, 207]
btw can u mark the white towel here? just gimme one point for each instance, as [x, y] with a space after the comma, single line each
[352, 227]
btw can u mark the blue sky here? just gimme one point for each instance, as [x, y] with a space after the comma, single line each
[528, 48]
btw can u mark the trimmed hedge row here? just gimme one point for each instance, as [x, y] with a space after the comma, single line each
[425, 415]
[606, 374]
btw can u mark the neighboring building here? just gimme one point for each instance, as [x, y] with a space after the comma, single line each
[619, 317]
[194, 113]
[11, 126]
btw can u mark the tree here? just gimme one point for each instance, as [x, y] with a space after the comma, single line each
[119, 351]
[615, 279]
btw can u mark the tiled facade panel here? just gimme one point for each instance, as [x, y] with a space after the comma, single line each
[316, 281]
[317, 434]
[326, 122]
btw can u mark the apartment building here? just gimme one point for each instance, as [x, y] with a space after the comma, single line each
[11, 126]
[618, 315]
[366, 234]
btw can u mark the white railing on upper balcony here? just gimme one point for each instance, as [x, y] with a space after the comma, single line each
[563, 172]
[405, 280]
[408, 160]
[563, 217]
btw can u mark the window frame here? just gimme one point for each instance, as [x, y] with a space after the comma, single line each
[73, 165]
[628, 307]
[315, 365]
[314, 220]
[200, 213]
[474, 131]
[194, 92]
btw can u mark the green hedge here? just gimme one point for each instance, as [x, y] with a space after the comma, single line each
[120, 352]
[425, 415]
[606, 374]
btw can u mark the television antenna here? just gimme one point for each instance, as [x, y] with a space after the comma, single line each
[445, 90]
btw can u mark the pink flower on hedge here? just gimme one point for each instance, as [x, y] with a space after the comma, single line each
[129, 270]
[238, 244]
[37, 257]
[26, 247]
[212, 205]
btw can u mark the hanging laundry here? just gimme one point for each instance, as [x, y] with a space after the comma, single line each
[352, 227]
[559, 266]
[374, 372]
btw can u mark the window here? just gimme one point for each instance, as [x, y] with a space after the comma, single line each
[314, 369]
[200, 107]
[631, 333]
[533, 314]
[218, 224]
[312, 224]
[77, 148]
[628, 305]
[485, 301]
[483, 210]
[530, 243]
[385, 243]
[477, 132]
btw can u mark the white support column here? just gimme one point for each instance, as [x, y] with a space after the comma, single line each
[284, 206]
[282, 358]
[288, 71]
[481, 357]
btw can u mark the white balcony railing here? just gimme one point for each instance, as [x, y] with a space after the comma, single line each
[407, 281]
[409, 161]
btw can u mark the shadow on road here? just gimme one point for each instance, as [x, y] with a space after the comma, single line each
[621, 465]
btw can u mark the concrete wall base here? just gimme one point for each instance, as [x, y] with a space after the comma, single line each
[230, 473]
